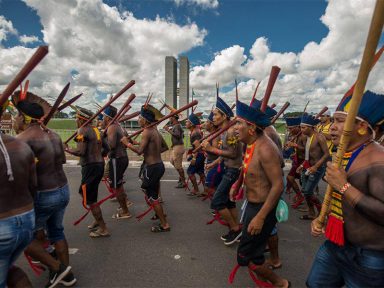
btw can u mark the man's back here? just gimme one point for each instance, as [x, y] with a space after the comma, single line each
[90, 141]
[16, 194]
[114, 135]
[49, 156]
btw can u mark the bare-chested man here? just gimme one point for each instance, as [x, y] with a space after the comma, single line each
[91, 148]
[214, 167]
[197, 159]
[296, 141]
[178, 150]
[52, 195]
[263, 180]
[313, 167]
[324, 128]
[353, 255]
[232, 154]
[18, 184]
[151, 146]
[118, 161]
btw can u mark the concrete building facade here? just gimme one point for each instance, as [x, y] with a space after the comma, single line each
[170, 81]
[183, 81]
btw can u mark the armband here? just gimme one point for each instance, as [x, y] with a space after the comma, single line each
[345, 188]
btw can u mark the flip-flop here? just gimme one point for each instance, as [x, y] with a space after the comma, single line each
[118, 215]
[93, 227]
[99, 234]
[129, 203]
[273, 267]
[155, 217]
[307, 217]
[159, 228]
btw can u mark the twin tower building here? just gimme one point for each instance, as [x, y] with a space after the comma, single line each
[176, 96]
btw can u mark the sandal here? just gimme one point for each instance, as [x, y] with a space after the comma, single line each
[155, 217]
[192, 194]
[93, 227]
[98, 234]
[307, 217]
[160, 228]
[119, 215]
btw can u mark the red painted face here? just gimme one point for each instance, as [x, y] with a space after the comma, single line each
[242, 130]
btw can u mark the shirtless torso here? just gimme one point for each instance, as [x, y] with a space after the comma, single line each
[114, 134]
[49, 156]
[263, 172]
[17, 195]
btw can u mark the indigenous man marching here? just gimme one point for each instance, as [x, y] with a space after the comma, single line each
[91, 148]
[52, 195]
[118, 161]
[231, 152]
[353, 255]
[18, 184]
[177, 152]
[213, 165]
[263, 180]
[197, 159]
[313, 167]
[324, 128]
[151, 146]
[274, 262]
[297, 142]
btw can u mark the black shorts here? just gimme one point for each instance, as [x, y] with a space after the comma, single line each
[251, 248]
[151, 180]
[117, 167]
[91, 175]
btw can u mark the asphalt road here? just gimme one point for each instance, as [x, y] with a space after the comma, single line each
[135, 257]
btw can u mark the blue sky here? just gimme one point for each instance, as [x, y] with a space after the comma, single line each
[289, 24]
[103, 44]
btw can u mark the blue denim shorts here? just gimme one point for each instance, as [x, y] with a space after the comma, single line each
[309, 182]
[221, 197]
[198, 168]
[50, 207]
[349, 266]
[214, 177]
[16, 233]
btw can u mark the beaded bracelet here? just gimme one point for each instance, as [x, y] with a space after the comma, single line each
[344, 188]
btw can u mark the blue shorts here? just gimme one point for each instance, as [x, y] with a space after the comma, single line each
[50, 207]
[221, 197]
[349, 266]
[198, 168]
[16, 233]
[214, 176]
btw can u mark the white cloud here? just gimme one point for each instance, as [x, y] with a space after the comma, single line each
[206, 4]
[106, 47]
[321, 72]
[6, 27]
[28, 39]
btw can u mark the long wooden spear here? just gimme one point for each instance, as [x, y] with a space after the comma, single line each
[271, 82]
[56, 104]
[215, 134]
[129, 116]
[285, 106]
[118, 114]
[193, 103]
[126, 87]
[69, 102]
[254, 93]
[374, 34]
[40, 53]
[322, 111]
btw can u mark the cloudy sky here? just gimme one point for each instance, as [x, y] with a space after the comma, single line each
[100, 45]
